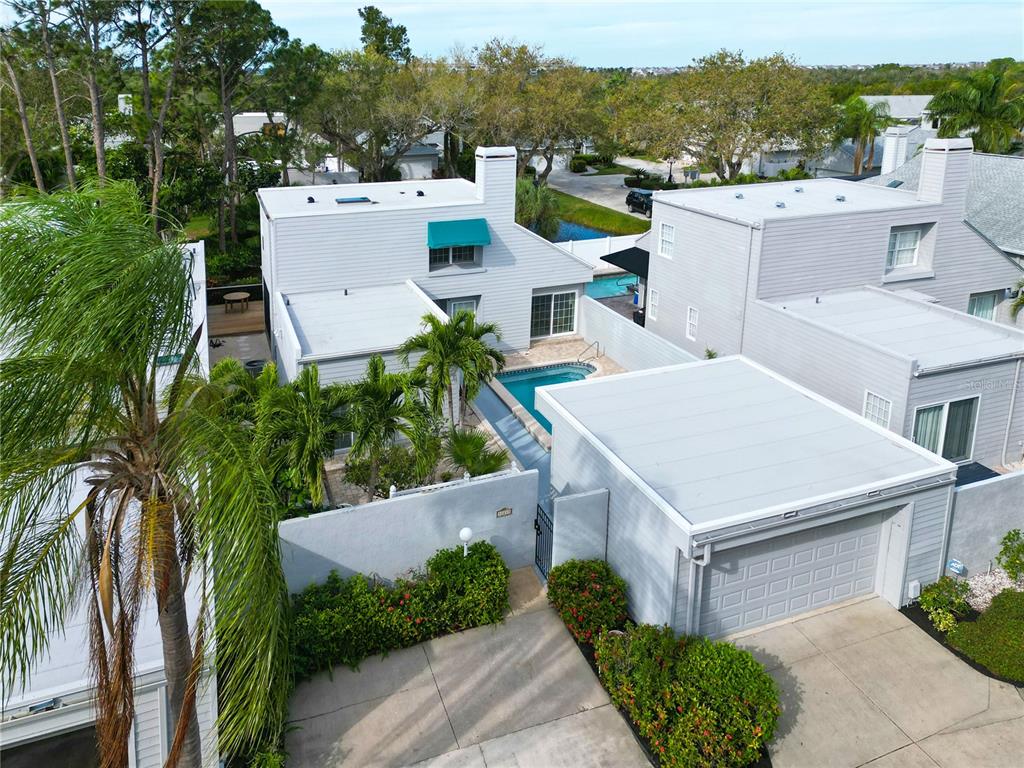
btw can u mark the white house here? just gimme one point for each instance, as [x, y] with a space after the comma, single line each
[390, 252]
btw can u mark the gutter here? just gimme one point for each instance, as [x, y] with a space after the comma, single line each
[946, 368]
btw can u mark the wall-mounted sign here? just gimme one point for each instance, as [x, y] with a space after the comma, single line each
[504, 512]
[956, 567]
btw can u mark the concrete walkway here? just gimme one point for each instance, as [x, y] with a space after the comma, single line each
[514, 694]
[863, 686]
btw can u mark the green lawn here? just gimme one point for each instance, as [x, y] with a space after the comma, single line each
[199, 227]
[611, 170]
[580, 211]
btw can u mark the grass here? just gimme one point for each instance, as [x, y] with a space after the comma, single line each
[996, 639]
[588, 214]
[611, 170]
[199, 227]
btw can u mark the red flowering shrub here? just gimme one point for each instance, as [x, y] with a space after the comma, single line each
[589, 597]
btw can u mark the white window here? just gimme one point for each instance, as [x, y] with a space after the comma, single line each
[666, 240]
[692, 316]
[877, 409]
[457, 254]
[903, 245]
[652, 305]
[947, 428]
[983, 305]
[552, 314]
[456, 305]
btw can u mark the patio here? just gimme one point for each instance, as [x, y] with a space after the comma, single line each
[563, 349]
[237, 321]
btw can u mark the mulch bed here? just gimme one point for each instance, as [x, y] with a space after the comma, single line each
[916, 614]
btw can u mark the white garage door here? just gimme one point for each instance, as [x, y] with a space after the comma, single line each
[769, 580]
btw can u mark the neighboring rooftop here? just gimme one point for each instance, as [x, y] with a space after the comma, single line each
[995, 195]
[378, 196]
[727, 441]
[930, 334]
[358, 321]
[754, 203]
[902, 107]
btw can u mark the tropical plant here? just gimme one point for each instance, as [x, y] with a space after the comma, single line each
[589, 596]
[1011, 554]
[467, 449]
[863, 122]
[1018, 303]
[536, 208]
[945, 601]
[987, 103]
[92, 306]
[454, 349]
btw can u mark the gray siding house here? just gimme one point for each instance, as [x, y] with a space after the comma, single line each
[735, 498]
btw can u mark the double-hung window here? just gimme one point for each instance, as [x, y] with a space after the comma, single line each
[983, 305]
[456, 254]
[652, 305]
[877, 409]
[948, 428]
[666, 240]
[903, 245]
[692, 317]
[552, 314]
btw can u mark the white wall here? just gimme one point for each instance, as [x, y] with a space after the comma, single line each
[982, 514]
[630, 345]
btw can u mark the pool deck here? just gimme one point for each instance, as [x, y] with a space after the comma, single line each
[563, 349]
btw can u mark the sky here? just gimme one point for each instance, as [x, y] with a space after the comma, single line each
[673, 32]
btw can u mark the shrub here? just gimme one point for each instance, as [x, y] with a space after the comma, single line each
[632, 182]
[342, 621]
[529, 171]
[996, 639]
[945, 601]
[697, 702]
[397, 468]
[589, 597]
[1011, 554]
[577, 164]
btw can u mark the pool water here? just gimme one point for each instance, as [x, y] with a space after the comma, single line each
[569, 231]
[523, 384]
[611, 285]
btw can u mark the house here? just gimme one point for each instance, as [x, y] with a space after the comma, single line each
[728, 497]
[944, 379]
[837, 161]
[420, 161]
[906, 109]
[393, 248]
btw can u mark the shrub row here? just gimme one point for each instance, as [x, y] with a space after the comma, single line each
[996, 639]
[342, 621]
[589, 597]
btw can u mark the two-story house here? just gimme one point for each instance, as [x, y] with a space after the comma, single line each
[350, 271]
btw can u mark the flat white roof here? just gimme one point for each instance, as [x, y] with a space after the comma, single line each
[932, 335]
[383, 196]
[727, 441]
[362, 320]
[759, 202]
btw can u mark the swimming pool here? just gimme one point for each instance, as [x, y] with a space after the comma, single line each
[610, 285]
[523, 384]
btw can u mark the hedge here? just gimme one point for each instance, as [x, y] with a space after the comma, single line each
[996, 639]
[589, 597]
[342, 621]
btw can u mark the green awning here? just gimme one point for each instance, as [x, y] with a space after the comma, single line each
[445, 234]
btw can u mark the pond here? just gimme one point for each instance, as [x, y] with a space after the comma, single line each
[567, 230]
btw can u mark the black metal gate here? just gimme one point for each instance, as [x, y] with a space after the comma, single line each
[545, 538]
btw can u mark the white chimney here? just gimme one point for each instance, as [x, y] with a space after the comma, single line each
[894, 149]
[945, 171]
[496, 176]
[124, 103]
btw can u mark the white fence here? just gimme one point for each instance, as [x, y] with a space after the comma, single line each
[630, 345]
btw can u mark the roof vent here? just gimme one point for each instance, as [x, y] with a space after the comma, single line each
[840, 198]
[310, 199]
[798, 189]
[739, 195]
[419, 193]
[779, 204]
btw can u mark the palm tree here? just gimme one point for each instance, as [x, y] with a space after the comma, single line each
[988, 104]
[1018, 303]
[467, 449]
[862, 122]
[449, 348]
[91, 304]
[380, 408]
[536, 208]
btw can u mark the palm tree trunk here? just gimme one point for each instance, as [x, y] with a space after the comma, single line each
[58, 101]
[374, 477]
[26, 130]
[858, 155]
[871, 153]
[451, 402]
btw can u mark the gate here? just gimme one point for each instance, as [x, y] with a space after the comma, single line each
[545, 538]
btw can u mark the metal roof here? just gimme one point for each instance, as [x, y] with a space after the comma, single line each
[726, 441]
[932, 335]
[902, 106]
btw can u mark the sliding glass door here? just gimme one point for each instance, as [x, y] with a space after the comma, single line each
[948, 429]
[552, 314]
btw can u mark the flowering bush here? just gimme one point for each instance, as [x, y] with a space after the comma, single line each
[945, 601]
[342, 621]
[1011, 554]
[589, 597]
[698, 702]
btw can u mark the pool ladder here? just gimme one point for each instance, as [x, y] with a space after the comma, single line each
[596, 346]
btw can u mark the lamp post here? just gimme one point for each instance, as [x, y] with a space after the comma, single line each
[465, 535]
[671, 161]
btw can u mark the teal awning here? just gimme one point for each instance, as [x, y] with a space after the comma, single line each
[445, 234]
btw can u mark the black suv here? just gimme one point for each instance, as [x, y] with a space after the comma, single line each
[640, 201]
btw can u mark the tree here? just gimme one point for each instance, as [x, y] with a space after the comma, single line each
[863, 122]
[12, 66]
[536, 208]
[987, 104]
[382, 35]
[467, 449]
[91, 304]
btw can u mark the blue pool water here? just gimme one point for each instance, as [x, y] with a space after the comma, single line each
[569, 231]
[523, 384]
[612, 285]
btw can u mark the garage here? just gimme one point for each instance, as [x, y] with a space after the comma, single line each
[769, 580]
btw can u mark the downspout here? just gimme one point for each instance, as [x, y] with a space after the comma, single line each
[696, 586]
[746, 287]
[1013, 404]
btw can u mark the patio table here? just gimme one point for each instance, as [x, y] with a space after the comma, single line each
[236, 300]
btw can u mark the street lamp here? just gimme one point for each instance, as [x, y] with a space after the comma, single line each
[465, 535]
[671, 160]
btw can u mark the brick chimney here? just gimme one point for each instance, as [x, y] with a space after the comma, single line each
[496, 177]
[945, 171]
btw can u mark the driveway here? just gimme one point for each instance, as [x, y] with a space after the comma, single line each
[608, 191]
[513, 694]
[862, 685]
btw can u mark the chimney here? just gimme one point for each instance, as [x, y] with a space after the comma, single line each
[124, 103]
[496, 176]
[945, 172]
[894, 149]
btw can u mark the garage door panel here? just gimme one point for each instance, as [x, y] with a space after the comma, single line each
[769, 580]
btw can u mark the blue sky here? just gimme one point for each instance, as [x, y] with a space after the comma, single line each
[673, 32]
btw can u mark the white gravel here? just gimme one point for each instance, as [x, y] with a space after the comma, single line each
[985, 586]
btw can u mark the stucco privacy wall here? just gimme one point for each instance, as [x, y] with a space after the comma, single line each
[982, 514]
[387, 538]
[581, 527]
[625, 342]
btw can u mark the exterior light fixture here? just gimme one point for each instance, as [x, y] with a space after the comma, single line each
[465, 535]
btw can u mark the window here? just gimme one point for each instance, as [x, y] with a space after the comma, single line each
[652, 305]
[947, 429]
[983, 305]
[691, 323]
[456, 305]
[457, 254]
[877, 409]
[666, 240]
[553, 313]
[903, 248]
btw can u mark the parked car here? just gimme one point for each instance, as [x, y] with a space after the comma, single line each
[640, 201]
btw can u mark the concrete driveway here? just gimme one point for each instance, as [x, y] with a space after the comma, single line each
[514, 694]
[608, 191]
[862, 685]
